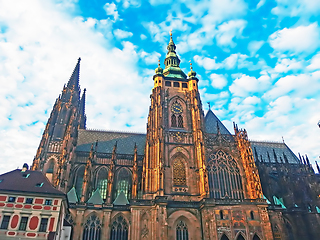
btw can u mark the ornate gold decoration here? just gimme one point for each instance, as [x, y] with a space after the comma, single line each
[179, 173]
[178, 137]
[176, 108]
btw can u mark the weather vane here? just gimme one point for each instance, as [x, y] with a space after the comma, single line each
[209, 105]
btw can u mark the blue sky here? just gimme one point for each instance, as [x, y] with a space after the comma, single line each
[258, 63]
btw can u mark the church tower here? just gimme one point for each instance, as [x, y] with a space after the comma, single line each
[174, 153]
[60, 135]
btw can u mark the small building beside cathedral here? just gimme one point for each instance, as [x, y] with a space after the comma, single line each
[30, 207]
[187, 178]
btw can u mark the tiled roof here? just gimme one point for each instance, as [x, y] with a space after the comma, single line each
[107, 140]
[27, 182]
[274, 150]
[211, 121]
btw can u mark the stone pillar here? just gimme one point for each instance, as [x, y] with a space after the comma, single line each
[77, 231]
[105, 233]
[135, 227]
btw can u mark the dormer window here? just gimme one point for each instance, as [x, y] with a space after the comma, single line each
[39, 184]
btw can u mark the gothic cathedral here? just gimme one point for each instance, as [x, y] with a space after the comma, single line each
[187, 178]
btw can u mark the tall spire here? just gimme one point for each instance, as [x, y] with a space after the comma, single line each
[73, 82]
[172, 59]
[83, 117]
[172, 62]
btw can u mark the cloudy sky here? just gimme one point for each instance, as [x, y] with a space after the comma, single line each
[258, 63]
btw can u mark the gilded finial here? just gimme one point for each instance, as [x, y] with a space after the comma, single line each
[190, 65]
[159, 62]
[171, 33]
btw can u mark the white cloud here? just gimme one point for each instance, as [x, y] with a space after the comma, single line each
[302, 39]
[284, 65]
[229, 30]
[206, 63]
[315, 62]
[111, 10]
[150, 58]
[246, 84]
[294, 8]
[303, 85]
[218, 81]
[120, 34]
[254, 46]
[41, 49]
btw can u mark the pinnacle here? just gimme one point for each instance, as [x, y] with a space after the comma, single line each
[73, 82]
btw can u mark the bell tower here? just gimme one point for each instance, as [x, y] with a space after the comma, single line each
[174, 163]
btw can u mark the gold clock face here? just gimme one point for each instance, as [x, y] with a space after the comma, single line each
[176, 108]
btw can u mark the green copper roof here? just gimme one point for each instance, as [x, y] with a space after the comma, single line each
[72, 196]
[96, 198]
[121, 199]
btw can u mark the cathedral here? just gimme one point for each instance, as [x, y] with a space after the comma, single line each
[187, 178]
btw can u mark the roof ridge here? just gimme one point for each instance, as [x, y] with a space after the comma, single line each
[265, 141]
[112, 131]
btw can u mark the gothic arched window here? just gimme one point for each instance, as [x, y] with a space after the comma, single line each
[119, 229]
[224, 237]
[50, 170]
[173, 120]
[79, 180]
[123, 183]
[102, 182]
[92, 228]
[255, 237]
[224, 176]
[179, 173]
[182, 231]
[240, 237]
[180, 121]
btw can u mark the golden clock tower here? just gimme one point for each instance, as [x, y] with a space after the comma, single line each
[174, 155]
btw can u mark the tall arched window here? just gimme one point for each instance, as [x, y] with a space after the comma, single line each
[180, 121]
[179, 173]
[182, 231]
[255, 237]
[240, 237]
[102, 182]
[92, 228]
[79, 180]
[50, 170]
[123, 183]
[224, 237]
[119, 229]
[224, 176]
[173, 120]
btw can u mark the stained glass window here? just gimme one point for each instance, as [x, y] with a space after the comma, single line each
[179, 173]
[102, 182]
[79, 181]
[182, 231]
[119, 229]
[123, 183]
[92, 228]
[224, 176]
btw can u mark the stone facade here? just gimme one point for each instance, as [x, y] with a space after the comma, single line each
[187, 178]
